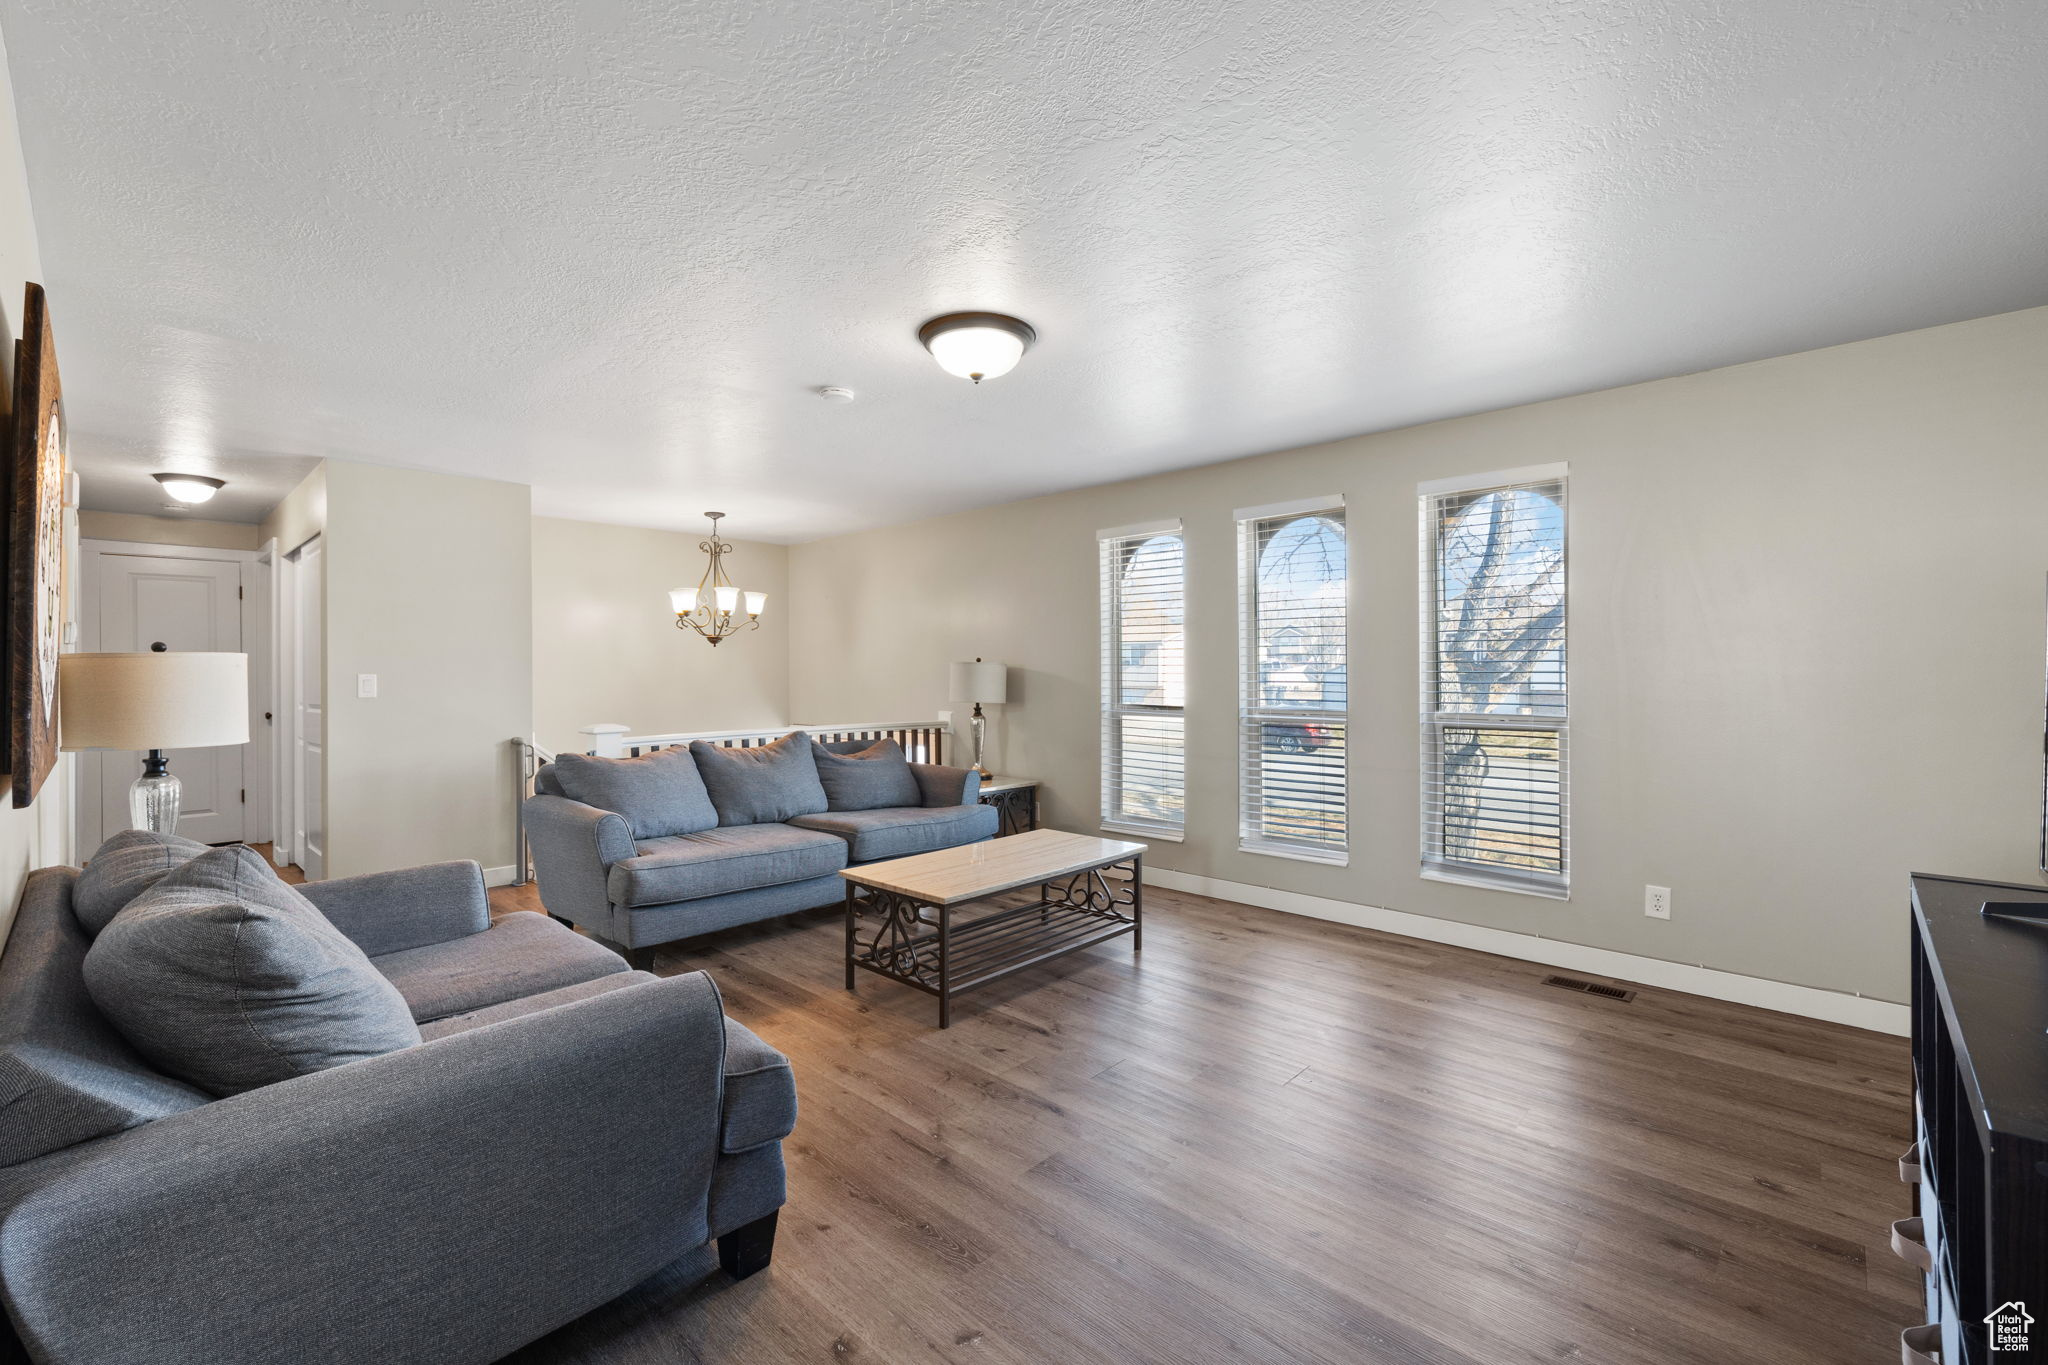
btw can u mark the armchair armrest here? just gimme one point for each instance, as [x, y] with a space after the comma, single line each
[385, 912]
[944, 786]
[574, 846]
[366, 1213]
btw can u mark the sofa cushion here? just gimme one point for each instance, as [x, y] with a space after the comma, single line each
[66, 1076]
[659, 793]
[868, 778]
[761, 784]
[124, 867]
[224, 976]
[900, 831]
[760, 1092]
[691, 866]
[531, 1004]
[521, 954]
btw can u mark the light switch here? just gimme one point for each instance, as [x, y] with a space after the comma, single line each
[366, 685]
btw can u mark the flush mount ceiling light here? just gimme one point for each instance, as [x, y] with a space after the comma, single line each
[190, 487]
[712, 608]
[977, 346]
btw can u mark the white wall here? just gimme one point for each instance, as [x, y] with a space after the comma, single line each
[1806, 645]
[429, 580]
[606, 647]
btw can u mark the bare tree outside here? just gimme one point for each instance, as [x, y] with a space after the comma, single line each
[1500, 651]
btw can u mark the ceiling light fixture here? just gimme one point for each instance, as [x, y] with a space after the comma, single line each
[833, 393]
[977, 346]
[709, 607]
[190, 487]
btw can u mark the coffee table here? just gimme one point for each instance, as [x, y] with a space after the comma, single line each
[922, 939]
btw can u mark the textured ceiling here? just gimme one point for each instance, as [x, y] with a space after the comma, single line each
[609, 249]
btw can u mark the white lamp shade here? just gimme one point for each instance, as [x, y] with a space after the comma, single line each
[684, 600]
[152, 701]
[755, 602]
[982, 682]
[190, 490]
[977, 352]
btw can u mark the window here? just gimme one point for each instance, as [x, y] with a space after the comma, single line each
[1292, 582]
[1494, 709]
[1144, 680]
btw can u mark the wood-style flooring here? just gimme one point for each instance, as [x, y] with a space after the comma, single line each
[1269, 1138]
[289, 873]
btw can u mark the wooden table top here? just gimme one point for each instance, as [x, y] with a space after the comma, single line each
[951, 875]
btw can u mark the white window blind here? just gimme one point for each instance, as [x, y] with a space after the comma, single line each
[1293, 580]
[1144, 680]
[1495, 710]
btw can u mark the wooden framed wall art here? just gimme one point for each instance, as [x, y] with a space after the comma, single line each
[36, 590]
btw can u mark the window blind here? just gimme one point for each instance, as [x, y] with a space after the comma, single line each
[1495, 707]
[1293, 578]
[1144, 680]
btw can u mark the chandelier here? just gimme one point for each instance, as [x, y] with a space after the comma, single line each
[711, 608]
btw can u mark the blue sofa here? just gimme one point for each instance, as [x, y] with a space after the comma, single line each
[614, 864]
[565, 1129]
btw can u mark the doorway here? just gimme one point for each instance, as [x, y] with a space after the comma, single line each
[136, 598]
[301, 758]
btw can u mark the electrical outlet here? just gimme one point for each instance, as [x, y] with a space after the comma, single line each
[366, 685]
[1657, 902]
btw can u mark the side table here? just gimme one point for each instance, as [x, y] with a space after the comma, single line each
[1016, 803]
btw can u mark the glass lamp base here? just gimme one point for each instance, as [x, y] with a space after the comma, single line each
[153, 803]
[980, 727]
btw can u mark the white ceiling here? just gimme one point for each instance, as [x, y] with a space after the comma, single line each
[115, 475]
[608, 249]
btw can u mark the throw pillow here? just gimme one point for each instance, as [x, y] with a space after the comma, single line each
[126, 866]
[659, 793]
[872, 778]
[764, 784]
[223, 976]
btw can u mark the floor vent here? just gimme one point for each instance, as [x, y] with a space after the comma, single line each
[1572, 983]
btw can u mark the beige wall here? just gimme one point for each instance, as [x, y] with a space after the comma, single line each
[1806, 645]
[209, 535]
[300, 516]
[606, 647]
[40, 835]
[429, 581]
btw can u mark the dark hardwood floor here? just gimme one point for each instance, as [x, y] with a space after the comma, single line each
[1269, 1138]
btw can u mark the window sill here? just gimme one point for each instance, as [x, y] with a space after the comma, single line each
[1161, 834]
[1485, 883]
[1299, 855]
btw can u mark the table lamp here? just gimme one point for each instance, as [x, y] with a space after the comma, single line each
[980, 682]
[153, 702]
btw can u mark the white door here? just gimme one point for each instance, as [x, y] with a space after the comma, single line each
[309, 826]
[147, 602]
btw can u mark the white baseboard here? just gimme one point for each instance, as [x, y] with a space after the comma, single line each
[1857, 1011]
[499, 876]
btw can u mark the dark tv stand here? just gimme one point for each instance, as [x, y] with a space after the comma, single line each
[1980, 1073]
